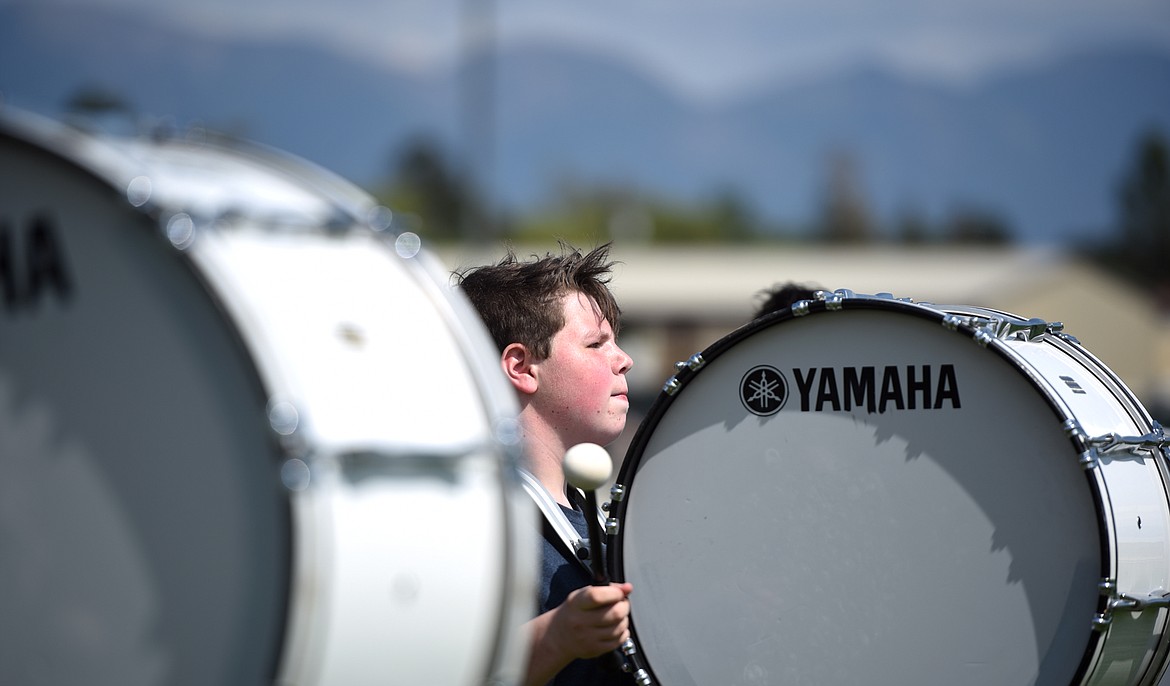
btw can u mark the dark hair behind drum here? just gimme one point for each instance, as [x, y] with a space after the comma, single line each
[781, 296]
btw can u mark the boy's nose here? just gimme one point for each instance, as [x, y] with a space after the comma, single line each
[625, 361]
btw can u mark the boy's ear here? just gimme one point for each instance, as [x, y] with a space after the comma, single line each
[519, 366]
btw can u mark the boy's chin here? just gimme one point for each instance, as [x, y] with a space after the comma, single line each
[611, 436]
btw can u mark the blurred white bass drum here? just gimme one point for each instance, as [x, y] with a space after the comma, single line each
[865, 490]
[245, 435]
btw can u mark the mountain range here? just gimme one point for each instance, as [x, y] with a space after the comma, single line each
[1043, 148]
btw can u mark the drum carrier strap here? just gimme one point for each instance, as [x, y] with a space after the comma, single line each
[557, 527]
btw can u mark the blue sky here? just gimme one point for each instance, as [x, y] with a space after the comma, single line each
[706, 48]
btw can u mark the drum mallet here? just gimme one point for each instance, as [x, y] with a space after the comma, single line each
[587, 466]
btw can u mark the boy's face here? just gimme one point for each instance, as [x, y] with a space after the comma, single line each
[582, 389]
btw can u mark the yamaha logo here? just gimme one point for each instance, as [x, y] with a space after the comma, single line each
[763, 390]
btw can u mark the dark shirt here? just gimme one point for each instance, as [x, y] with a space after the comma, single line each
[561, 575]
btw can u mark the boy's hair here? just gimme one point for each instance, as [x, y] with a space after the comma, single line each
[520, 301]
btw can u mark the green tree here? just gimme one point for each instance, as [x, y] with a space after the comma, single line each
[974, 226]
[1140, 248]
[97, 108]
[425, 184]
[846, 217]
[911, 227]
[732, 217]
[94, 101]
[586, 214]
[1144, 199]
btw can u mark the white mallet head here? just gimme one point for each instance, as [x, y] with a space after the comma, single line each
[587, 466]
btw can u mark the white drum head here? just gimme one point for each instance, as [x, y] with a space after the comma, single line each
[145, 531]
[244, 437]
[782, 526]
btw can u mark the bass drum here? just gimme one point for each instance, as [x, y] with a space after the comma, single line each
[245, 436]
[862, 489]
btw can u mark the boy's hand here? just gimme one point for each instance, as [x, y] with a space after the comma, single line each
[593, 620]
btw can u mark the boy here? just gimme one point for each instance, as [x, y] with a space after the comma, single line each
[555, 323]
